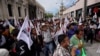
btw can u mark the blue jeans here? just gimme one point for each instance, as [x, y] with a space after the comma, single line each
[48, 48]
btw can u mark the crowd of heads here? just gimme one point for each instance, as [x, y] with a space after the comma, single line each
[59, 28]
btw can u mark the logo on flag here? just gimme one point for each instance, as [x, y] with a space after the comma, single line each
[24, 33]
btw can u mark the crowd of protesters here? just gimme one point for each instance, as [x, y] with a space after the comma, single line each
[52, 38]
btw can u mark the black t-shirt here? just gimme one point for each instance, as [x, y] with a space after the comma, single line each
[22, 49]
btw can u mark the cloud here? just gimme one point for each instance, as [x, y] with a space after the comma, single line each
[54, 5]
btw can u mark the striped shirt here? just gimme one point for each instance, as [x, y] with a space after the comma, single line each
[60, 51]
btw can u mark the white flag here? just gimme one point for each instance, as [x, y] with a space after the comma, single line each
[74, 20]
[53, 19]
[59, 32]
[66, 21]
[38, 28]
[10, 26]
[16, 23]
[6, 23]
[90, 11]
[31, 25]
[99, 19]
[60, 23]
[80, 21]
[95, 15]
[99, 23]
[24, 33]
[63, 27]
[37, 31]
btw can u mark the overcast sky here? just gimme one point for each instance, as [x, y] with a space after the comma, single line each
[53, 6]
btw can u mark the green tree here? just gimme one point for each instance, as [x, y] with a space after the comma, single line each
[48, 15]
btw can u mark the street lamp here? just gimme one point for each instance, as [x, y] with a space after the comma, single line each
[62, 8]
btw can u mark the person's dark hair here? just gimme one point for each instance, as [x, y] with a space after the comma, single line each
[72, 24]
[32, 30]
[6, 27]
[15, 32]
[1, 27]
[61, 38]
[77, 31]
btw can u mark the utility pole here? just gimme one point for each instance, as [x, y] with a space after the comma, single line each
[61, 9]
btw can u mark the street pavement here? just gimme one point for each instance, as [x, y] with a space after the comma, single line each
[93, 50]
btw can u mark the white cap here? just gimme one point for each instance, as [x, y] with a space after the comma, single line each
[80, 23]
[43, 23]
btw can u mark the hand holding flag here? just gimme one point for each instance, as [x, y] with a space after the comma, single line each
[24, 33]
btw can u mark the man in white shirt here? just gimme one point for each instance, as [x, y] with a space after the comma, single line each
[48, 41]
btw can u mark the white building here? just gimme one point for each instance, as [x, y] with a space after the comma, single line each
[20, 8]
[11, 8]
[40, 11]
[78, 8]
[35, 10]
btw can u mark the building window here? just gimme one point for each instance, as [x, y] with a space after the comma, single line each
[72, 14]
[19, 11]
[78, 13]
[25, 12]
[10, 10]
